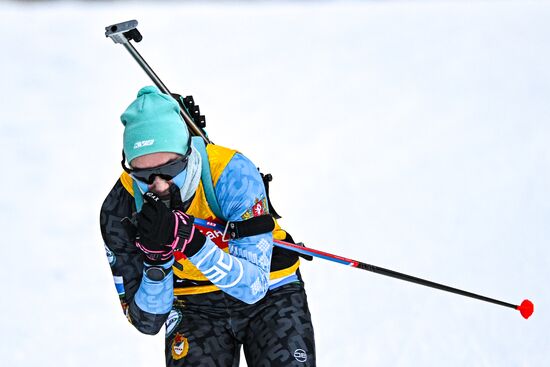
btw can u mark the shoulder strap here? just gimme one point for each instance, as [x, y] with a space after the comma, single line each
[206, 178]
[246, 228]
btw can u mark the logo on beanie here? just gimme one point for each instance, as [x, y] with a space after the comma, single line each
[144, 143]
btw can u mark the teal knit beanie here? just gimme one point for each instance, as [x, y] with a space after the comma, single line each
[152, 124]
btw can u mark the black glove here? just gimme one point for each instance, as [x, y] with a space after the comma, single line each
[175, 198]
[161, 231]
[155, 229]
[155, 222]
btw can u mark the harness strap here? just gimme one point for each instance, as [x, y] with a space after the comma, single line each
[250, 227]
[206, 178]
[234, 230]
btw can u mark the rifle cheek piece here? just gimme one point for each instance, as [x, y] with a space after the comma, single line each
[123, 32]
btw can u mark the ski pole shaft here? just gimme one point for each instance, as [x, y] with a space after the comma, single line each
[123, 33]
[526, 308]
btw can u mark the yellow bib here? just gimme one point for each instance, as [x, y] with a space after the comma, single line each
[218, 158]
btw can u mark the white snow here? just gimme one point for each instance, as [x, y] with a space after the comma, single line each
[409, 135]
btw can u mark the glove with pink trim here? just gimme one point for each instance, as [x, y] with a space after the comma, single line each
[161, 231]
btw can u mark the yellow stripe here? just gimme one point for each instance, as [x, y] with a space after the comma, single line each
[212, 288]
[218, 157]
[195, 290]
[199, 207]
[284, 272]
[127, 182]
[190, 271]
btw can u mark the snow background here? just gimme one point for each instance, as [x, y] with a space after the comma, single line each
[409, 135]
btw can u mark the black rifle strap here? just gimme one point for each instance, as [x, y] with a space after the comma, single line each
[250, 227]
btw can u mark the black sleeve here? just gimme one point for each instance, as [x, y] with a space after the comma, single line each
[125, 259]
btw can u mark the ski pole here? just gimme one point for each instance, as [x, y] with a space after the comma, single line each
[526, 307]
[127, 31]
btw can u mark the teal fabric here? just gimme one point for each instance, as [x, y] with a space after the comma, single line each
[138, 198]
[152, 124]
[206, 178]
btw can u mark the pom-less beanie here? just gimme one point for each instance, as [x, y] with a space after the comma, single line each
[152, 124]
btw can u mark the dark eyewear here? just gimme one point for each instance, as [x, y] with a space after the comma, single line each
[167, 171]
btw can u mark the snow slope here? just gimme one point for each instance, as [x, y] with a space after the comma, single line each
[409, 135]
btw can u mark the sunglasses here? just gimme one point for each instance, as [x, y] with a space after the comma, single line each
[167, 171]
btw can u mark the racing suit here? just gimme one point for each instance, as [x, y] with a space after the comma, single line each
[230, 293]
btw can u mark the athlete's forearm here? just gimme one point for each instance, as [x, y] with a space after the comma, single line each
[244, 272]
[143, 301]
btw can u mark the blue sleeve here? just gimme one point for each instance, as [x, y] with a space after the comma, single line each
[156, 297]
[244, 272]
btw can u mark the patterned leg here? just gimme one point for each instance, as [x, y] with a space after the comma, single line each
[280, 333]
[200, 336]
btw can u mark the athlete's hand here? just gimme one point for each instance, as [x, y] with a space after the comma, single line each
[162, 231]
[155, 229]
[155, 221]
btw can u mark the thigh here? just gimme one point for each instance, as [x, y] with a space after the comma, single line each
[197, 339]
[281, 332]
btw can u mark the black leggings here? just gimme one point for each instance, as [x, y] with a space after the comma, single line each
[208, 330]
